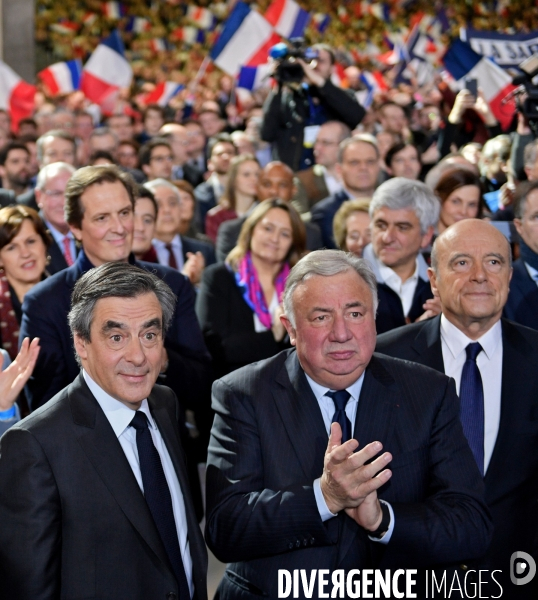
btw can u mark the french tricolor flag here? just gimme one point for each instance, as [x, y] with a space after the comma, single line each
[137, 25]
[189, 34]
[16, 96]
[107, 70]
[252, 78]
[62, 77]
[203, 17]
[163, 93]
[374, 83]
[462, 62]
[113, 10]
[321, 21]
[288, 18]
[65, 27]
[245, 40]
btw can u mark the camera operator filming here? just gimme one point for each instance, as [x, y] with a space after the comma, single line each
[304, 99]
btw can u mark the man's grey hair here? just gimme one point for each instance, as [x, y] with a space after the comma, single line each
[102, 131]
[365, 138]
[326, 263]
[115, 280]
[52, 170]
[160, 182]
[53, 133]
[400, 193]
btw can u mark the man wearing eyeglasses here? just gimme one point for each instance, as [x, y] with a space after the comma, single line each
[49, 193]
[157, 159]
[178, 138]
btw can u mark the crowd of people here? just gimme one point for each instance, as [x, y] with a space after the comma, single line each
[291, 230]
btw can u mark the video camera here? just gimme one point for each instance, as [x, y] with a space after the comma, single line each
[529, 106]
[288, 70]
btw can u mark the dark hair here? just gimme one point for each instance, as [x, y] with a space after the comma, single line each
[84, 178]
[185, 186]
[155, 108]
[97, 154]
[520, 196]
[327, 49]
[452, 180]
[4, 152]
[221, 138]
[143, 192]
[298, 244]
[28, 121]
[115, 280]
[144, 154]
[11, 220]
[395, 148]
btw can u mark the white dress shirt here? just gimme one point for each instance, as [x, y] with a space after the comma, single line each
[59, 239]
[532, 272]
[384, 274]
[327, 408]
[120, 416]
[163, 254]
[490, 364]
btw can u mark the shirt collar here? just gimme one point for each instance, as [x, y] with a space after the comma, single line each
[118, 414]
[379, 269]
[58, 235]
[319, 390]
[175, 243]
[456, 341]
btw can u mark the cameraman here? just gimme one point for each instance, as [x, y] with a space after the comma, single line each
[294, 111]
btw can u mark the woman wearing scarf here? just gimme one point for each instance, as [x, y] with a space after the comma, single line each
[238, 304]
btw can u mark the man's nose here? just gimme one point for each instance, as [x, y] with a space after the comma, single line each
[135, 352]
[340, 331]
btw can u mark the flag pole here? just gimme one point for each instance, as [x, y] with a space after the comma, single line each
[200, 74]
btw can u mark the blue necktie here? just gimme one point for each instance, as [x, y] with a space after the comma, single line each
[158, 498]
[340, 398]
[472, 404]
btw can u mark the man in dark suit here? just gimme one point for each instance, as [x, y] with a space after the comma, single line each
[522, 303]
[470, 275]
[280, 497]
[178, 137]
[177, 251]
[276, 181]
[358, 167]
[99, 210]
[93, 486]
[50, 197]
[404, 214]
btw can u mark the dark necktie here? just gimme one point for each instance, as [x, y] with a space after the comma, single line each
[171, 256]
[158, 498]
[472, 404]
[67, 251]
[340, 398]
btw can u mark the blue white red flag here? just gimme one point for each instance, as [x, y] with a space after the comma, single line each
[62, 77]
[288, 18]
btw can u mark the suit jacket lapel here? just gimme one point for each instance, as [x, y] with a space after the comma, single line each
[104, 451]
[301, 416]
[427, 344]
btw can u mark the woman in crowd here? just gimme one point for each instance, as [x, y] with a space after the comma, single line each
[238, 304]
[351, 226]
[23, 259]
[461, 197]
[239, 194]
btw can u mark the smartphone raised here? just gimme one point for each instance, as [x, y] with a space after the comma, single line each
[472, 86]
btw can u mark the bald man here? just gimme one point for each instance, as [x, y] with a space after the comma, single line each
[276, 181]
[178, 138]
[470, 274]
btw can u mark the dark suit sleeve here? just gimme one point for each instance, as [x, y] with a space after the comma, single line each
[226, 240]
[30, 514]
[342, 104]
[243, 524]
[453, 521]
[51, 373]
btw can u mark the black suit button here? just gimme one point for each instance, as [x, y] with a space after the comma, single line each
[298, 543]
[464, 567]
[171, 596]
[305, 542]
[290, 545]
[312, 540]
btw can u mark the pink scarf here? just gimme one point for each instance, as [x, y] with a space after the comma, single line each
[248, 281]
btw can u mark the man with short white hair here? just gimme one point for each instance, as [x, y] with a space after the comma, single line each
[404, 214]
[50, 197]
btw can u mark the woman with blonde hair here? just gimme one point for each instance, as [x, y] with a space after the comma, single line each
[239, 194]
[238, 305]
[351, 226]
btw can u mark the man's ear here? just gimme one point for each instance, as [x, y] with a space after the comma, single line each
[80, 346]
[76, 231]
[433, 282]
[289, 328]
[517, 224]
[38, 194]
[146, 169]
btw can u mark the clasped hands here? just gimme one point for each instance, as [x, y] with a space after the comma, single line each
[349, 484]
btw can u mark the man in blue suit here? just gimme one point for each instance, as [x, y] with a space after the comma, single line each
[358, 166]
[99, 209]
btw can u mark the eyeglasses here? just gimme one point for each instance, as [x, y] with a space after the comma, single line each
[325, 143]
[54, 193]
[161, 159]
